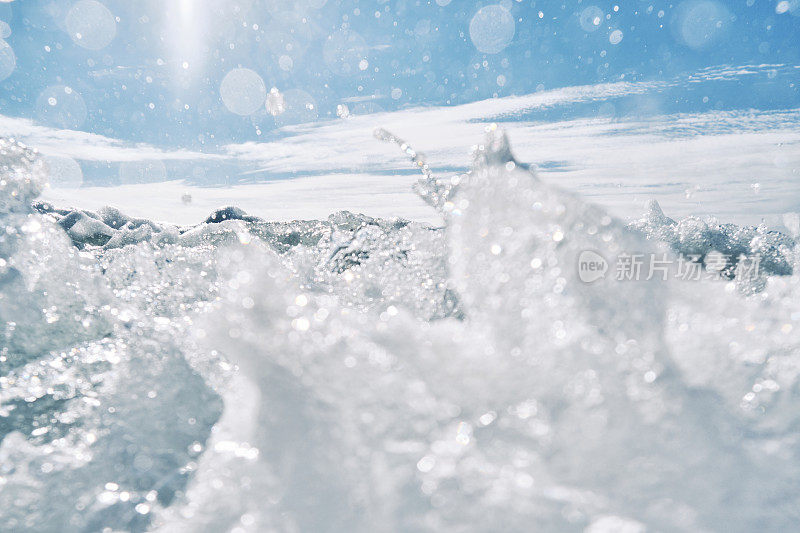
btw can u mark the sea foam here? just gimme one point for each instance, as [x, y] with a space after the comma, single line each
[355, 374]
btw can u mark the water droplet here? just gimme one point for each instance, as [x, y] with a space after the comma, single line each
[492, 29]
[589, 18]
[243, 91]
[91, 25]
[275, 102]
[62, 107]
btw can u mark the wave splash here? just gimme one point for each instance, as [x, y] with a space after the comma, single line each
[380, 375]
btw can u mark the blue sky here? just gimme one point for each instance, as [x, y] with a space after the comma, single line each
[151, 70]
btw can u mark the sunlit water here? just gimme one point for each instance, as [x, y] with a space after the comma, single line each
[355, 374]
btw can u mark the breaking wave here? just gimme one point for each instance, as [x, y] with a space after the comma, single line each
[355, 374]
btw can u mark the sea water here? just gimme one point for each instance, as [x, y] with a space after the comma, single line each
[357, 374]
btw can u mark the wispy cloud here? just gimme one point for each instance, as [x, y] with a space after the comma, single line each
[446, 133]
[630, 151]
[85, 146]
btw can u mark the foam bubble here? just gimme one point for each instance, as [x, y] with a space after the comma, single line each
[243, 91]
[615, 37]
[491, 29]
[91, 25]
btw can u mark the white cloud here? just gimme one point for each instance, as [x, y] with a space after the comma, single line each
[85, 146]
[698, 163]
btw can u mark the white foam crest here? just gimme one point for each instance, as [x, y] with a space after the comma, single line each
[552, 402]
[380, 375]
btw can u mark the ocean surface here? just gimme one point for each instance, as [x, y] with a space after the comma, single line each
[497, 364]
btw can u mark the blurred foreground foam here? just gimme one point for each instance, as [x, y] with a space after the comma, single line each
[380, 375]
